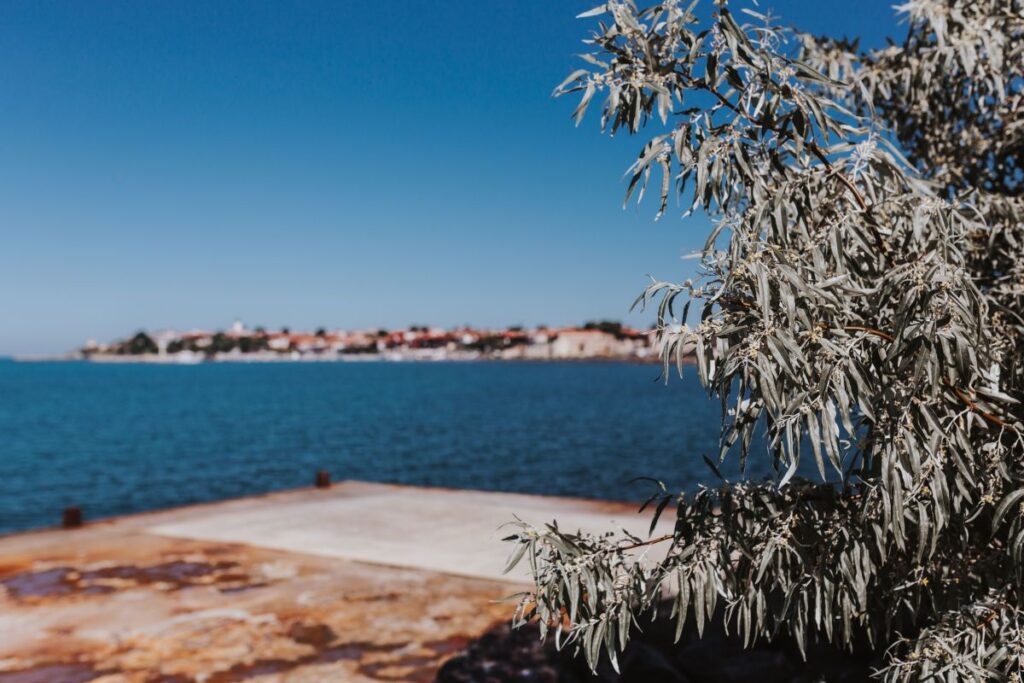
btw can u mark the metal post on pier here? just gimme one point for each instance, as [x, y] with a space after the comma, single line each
[72, 517]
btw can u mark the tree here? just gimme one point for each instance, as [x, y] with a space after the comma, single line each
[253, 344]
[140, 344]
[221, 343]
[612, 327]
[860, 299]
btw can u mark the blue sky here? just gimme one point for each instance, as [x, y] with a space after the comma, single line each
[348, 164]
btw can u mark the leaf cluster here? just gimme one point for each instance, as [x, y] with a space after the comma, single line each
[860, 299]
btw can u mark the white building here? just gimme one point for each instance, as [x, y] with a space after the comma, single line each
[585, 344]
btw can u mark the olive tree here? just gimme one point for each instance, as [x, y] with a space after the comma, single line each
[859, 301]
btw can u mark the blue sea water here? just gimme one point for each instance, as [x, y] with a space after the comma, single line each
[116, 439]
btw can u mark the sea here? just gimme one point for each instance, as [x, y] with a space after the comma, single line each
[122, 438]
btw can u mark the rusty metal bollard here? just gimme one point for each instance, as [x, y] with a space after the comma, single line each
[72, 517]
[323, 479]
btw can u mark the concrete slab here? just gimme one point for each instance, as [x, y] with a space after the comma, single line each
[444, 530]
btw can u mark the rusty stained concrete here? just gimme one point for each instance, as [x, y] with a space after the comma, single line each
[112, 603]
[359, 583]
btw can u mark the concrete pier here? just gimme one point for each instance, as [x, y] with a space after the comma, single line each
[358, 582]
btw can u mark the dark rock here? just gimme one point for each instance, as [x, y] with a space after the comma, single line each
[644, 662]
[506, 656]
[722, 658]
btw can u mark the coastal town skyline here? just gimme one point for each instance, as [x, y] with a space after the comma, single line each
[599, 339]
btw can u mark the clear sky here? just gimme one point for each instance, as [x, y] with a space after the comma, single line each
[347, 164]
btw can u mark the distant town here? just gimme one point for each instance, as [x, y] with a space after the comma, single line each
[593, 340]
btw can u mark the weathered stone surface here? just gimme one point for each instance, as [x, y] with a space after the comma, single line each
[115, 603]
[356, 583]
